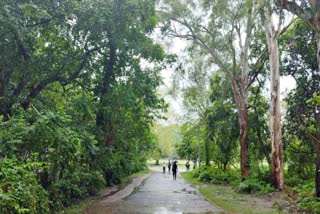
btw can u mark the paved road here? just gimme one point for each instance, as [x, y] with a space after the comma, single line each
[159, 193]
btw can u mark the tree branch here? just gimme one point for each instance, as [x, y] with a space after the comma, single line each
[294, 8]
[56, 77]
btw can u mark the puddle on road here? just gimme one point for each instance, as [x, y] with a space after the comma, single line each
[164, 210]
[109, 210]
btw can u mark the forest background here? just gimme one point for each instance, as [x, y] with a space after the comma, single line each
[79, 96]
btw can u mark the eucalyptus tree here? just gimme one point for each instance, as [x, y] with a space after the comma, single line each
[222, 31]
[272, 33]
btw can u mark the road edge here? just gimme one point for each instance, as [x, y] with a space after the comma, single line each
[125, 192]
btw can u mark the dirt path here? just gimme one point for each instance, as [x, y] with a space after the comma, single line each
[159, 193]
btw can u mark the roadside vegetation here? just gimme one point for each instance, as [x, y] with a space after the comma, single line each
[80, 100]
[81, 205]
[76, 103]
[226, 191]
[254, 195]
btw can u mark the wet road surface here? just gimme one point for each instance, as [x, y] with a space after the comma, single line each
[159, 193]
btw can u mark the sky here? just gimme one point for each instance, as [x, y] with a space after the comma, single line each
[175, 111]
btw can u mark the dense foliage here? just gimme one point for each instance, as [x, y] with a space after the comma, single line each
[78, 97]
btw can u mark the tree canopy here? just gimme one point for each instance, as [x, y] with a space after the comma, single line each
[80, 102]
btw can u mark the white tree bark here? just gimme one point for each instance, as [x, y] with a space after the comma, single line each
[275, 114]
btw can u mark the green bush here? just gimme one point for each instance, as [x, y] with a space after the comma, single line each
[304, 188]
[75, 186]
[261, 173]
[195, 173]
[223, 178]
[309, 204]
[253, 186]
[20, 191]
[92, 182]
[75, 164]
[293, 181]
[205, 176]
[215, 175]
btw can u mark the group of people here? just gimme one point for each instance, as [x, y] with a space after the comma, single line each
[174, 168]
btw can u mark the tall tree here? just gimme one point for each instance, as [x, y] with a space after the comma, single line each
[65, 62]
[125, 29]
[222, 31]
[272, 34]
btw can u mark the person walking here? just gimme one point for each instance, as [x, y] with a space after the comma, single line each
[188, 165]
[169, 166]
[164, 167]
[174, 170]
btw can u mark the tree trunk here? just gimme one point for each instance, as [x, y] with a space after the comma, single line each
[5, 103]
[243, 122]
[317, 180]
[275, 117]
[272, 35]
[103, 118]
[207, 152]
[317, 174]
[241, 103]
[318, 50]
[317, 177]
[225, 164]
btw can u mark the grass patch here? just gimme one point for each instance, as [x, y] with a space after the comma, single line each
[226, 198]
[188, 176]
